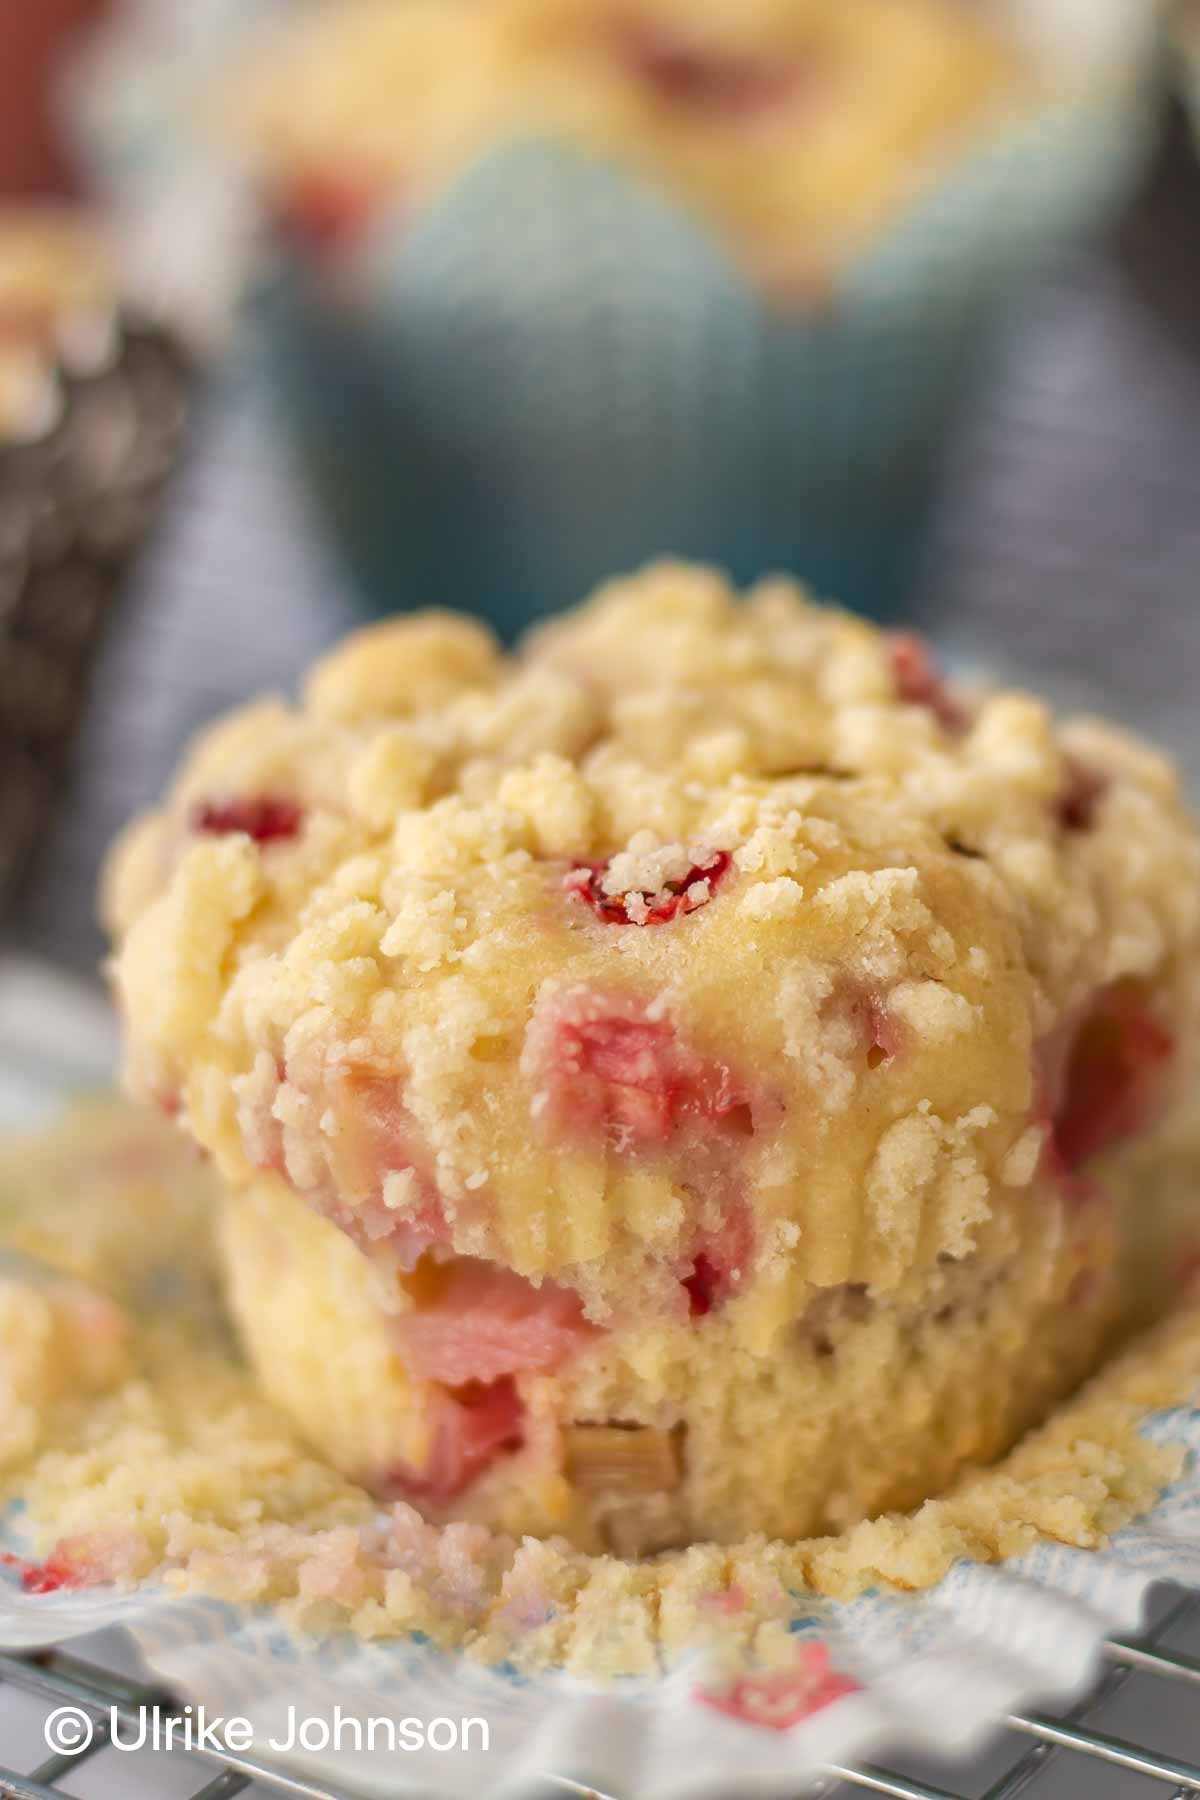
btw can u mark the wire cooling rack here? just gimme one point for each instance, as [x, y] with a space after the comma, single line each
[55, 1678]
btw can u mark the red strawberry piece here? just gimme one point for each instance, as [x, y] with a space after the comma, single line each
[1107, 1084]
[1081, 794]
[586, 881]
[629, 1077]
[50, 1576]
[625, 1076]
[325, 213]
[85, 1560]
[600, 1066]
[471, 1428]
[1186, 1268]
[720, 1265]
[687, 76]
[883, 1034]
[783, 1697]
[265, 819]
[919, 681]
[475, 1322]
[705, 1283]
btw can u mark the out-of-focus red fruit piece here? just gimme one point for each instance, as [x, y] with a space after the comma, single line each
[50, 1576]
[1081, 794]
[266, 819]
[1111, 1084]
[47, 1577]
[685, 75]
[471, 1428]
[586, 880]
[325, 213]
[475, 1322]
[1186, 1269]
[86, 1560]
[919, 681]
[783, 1697]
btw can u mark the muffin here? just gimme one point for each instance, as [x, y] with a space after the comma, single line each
[723, 272]
[704, 1029]
[792, 127]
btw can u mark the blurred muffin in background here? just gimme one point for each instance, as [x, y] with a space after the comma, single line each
[560, 285]
[792, 127]
[58, 314]
[92, 408]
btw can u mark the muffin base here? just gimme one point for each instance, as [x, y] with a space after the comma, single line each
[653, 1435]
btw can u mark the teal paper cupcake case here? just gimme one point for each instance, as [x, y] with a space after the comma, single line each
[552, 372]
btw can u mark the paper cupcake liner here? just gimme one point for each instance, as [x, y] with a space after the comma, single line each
[933, 1670]
[552, 372]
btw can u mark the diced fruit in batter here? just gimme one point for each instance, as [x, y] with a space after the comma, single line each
[689, 76]
[266, 819]
[1112, 1085]
[722, 1265]
[471, 1427]
[373, 1141]
[475, 1321]
[704, 1285]
[676, 898]
[611, 1070]
[622, 1459]
[919, 681]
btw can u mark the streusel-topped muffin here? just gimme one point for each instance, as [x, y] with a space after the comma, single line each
[794, 127]
[705, 1023]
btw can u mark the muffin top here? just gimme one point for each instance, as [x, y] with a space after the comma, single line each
[57, 311]
[794, 128]
[702, 926]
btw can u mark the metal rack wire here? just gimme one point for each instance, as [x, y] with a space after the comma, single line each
[58, 1678]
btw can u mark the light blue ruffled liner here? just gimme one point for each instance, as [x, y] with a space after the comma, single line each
[558, 374]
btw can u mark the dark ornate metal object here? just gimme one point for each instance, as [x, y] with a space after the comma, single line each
[74, 508]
